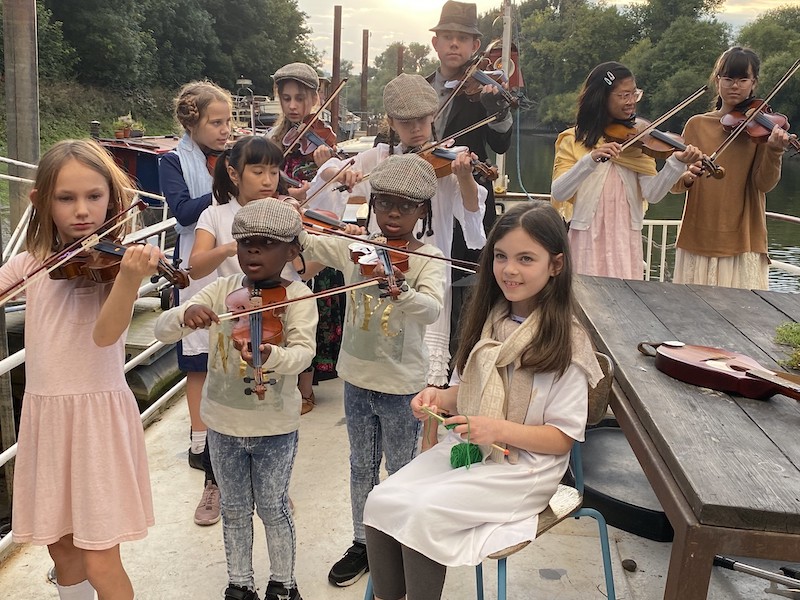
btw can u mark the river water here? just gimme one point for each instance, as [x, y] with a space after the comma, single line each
[535, 162]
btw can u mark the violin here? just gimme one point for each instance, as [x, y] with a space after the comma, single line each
[256, 328]
[322, 218]
[442, 161]
[367, 257]
[721, 370]
[313, 136]
[101, 264]
[655, 143]
[476, 75]
[760, 128]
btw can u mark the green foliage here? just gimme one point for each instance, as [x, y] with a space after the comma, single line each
[789, 334]
[57, 59]
[655, 17]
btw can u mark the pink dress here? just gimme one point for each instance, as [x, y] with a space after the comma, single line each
[81, 465]
[609, 248]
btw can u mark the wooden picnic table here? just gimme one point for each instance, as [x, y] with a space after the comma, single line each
[726, 469]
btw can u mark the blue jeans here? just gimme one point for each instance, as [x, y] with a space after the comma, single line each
[255, 470]
[376, 423]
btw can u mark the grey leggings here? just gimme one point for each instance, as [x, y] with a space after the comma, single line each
[399, 571]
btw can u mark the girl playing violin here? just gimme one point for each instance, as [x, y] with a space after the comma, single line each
[252, 441]
[600, 190]
[410, 104]
[383, 358]
[723, 234]
[80, 430]
[203, 110]
[297, 85]
[519, 323]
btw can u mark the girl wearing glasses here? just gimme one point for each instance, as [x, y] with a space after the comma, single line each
[602, 191]
[383, 358]
[297, 88]
[723, 235]
[410, 104]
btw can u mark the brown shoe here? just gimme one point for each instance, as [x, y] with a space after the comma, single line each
[207, 512]
[308, 404]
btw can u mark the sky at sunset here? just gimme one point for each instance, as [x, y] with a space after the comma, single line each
[409, 21]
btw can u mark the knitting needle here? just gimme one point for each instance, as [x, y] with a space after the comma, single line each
[441, 419]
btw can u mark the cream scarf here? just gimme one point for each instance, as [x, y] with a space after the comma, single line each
[484, 389]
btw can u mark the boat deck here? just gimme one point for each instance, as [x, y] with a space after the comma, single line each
[179, 560]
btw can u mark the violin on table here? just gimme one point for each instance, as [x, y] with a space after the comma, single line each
[719, 369]
[252, 330]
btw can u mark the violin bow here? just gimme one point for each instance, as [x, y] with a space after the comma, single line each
[667, 115]
[59, 258]
[331, 292]
[307, 126]
[432, 145]
[328, 183]
[756, 111]
[461, 265]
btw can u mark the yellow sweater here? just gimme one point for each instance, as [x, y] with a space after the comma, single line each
[726, 217]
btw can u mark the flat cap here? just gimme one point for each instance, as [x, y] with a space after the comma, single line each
[270, 218]
[404, 175]
[298, 71]
[409, 97]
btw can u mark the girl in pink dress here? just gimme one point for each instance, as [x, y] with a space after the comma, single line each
[600, 189]
[81, 483]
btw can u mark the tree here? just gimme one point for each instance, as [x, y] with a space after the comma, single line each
[654, 17]
[184, 39]
[259, 36]
[57, 59]
[108, 37]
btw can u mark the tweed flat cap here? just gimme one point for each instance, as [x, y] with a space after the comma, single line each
[269, 218]
[298, 71]
[409, 97]
[404, 175]
[459, 16]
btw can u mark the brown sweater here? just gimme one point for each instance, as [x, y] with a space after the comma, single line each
[726, 217]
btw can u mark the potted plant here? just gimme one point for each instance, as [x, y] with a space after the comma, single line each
[137, 129]
[119, 128]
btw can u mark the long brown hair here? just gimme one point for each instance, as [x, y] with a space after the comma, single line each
[282, 125]
[551, 348]
[42, 236]
[735, 62]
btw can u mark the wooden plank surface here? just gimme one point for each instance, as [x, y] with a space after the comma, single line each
[732, 473]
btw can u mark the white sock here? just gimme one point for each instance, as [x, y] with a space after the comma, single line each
[79, 591]
[198, 441]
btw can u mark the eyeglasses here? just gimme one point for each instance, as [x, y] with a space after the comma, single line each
[727, 82]
[404, 207]
[626, 96]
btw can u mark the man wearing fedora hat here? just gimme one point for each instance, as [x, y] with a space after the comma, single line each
[456, 39]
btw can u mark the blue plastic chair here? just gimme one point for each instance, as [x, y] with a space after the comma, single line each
[565, 503]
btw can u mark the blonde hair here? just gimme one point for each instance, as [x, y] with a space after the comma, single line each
[193, 99]
[42, 236]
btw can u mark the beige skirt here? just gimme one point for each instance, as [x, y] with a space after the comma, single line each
[748, 270]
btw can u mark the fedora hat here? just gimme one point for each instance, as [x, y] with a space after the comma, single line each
[459, 16]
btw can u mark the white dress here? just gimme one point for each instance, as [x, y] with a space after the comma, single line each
[459, 516]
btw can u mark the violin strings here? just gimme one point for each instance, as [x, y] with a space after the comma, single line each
[306, 126]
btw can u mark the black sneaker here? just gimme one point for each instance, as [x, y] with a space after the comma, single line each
[235, 592]
[350, 567]
[278, 591]
[196, 460]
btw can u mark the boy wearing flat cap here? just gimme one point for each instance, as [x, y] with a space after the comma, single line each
[384, 356]
[252, 436]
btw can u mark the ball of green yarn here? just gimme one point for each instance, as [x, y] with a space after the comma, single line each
[463, 455]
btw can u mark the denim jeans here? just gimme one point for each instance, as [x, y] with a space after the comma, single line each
[376, 423]
[255, 471]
